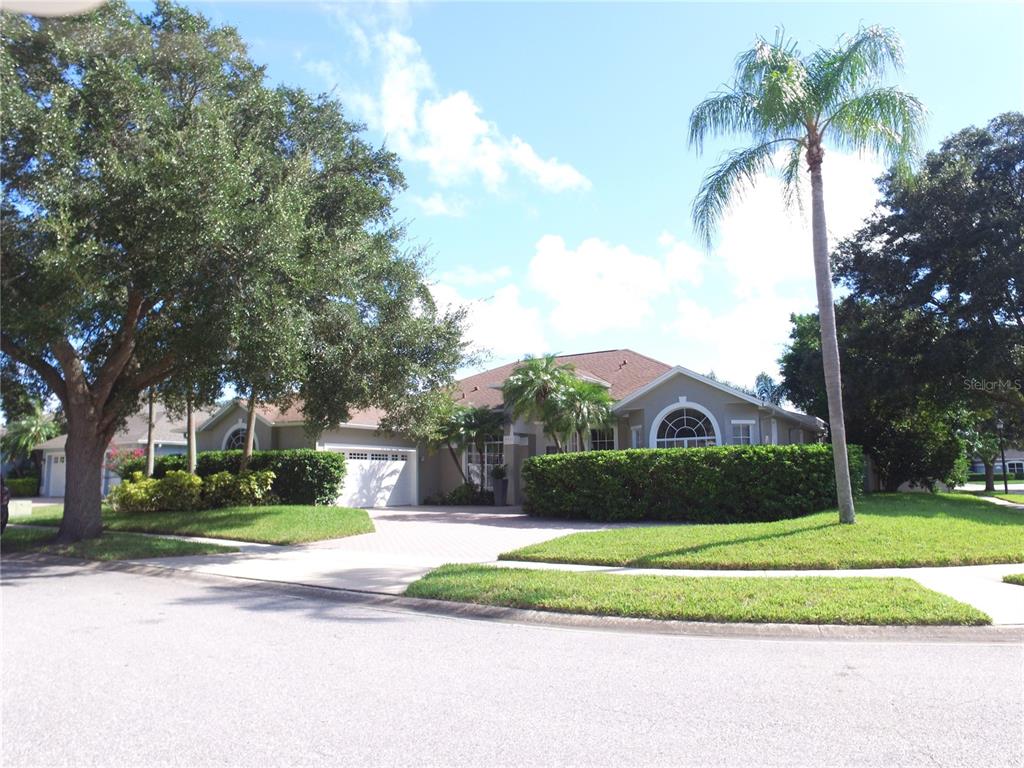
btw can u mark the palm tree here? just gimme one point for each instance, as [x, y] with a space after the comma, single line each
[786, 101]
[451, 433]
[768, 389]
[480, 426]
[528, 390]
[23, 435]
[583, 405]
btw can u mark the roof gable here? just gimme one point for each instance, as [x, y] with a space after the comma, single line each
[623, 371]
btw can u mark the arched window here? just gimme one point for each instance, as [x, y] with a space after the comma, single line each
[685, 428]
[236, 440]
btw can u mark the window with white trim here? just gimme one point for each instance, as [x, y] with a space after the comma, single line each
[602, 439]
[494, 454]
[636, 437]
[741, 434]
[685, 428]
[236, 440]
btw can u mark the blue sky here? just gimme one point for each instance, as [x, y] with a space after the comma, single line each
[549, 177]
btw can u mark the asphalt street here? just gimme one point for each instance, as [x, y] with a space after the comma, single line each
[118, 669]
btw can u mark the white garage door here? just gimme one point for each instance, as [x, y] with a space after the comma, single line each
[382, 477]
[57, 473]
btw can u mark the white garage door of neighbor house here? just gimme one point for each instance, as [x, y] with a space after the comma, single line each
[58, 467]
[384, 477]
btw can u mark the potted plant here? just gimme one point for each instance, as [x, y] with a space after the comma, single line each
[500, 477]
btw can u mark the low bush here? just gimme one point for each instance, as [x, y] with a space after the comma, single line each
[22, 486]
[179, 491]
[702, 485]
[135, 494]
[979, 477]
[464, 496]
[224, 489]
[301, 476]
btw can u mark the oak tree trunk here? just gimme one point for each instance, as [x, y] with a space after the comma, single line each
[83, 486]
[250, 434]
[829, 340]
[190, 429]
[150, 443]
[990, 475]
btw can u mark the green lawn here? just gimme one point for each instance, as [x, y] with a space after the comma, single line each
[1016, 498]
[109, 546]
[284, 524]
[1014, 578]
[790, 600]
[891, 530]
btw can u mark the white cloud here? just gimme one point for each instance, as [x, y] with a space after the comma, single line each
[438, 205]
[447, 132]
[764, 255]
[501, 324]
[599, 286]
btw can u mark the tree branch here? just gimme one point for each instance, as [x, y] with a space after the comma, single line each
[122, 351]
[49, 373]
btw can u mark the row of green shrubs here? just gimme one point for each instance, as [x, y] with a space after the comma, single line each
[301, 476]
[979, 477]
[699, 485]
[464, 495]
[22, 487]
[180, 491]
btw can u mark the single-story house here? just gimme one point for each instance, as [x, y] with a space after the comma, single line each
[168, 434]
[1014, 462]
[657, 405]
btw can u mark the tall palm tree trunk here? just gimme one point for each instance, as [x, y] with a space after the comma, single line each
[190, 429]
[150, 442]
[829, 340]
[250, 434]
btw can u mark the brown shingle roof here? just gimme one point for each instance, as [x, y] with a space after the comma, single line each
[623, 369]
[166, 430]
[293, 414]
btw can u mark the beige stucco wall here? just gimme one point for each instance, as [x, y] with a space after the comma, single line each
[290, 437]
[212, 439]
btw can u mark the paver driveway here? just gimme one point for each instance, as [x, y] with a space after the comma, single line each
[409, 541]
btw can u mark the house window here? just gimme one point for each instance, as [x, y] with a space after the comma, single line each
[235, 441]
[635, 437]
[1013, 467]
[602, 439]
[741, 434]
[550, 449]
[494, 454]
[685, 428]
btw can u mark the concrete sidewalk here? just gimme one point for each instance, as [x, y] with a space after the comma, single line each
[409, 542]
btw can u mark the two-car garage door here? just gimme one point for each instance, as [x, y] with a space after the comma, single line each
[378, 477]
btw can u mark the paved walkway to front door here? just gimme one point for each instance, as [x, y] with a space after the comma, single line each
[409, 541]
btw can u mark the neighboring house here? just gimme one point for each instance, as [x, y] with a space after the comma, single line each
[1014, 462]
[168, 434]
[657, 405]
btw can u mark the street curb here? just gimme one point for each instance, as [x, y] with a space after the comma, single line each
[911, 634]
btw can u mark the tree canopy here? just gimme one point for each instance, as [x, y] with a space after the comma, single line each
[166, 211]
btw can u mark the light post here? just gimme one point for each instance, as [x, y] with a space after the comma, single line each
[1002, 454]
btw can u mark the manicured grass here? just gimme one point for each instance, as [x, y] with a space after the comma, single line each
[892, 530]
[284, 524]
[1014, 578]
[790, 600]
[1015, 498]
[109, 546]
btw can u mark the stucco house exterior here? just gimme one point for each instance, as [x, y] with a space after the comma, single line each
[657, 405]
[168, 434]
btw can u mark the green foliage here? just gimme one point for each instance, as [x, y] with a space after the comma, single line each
[22, 486]
[465, 495]
[788, 101]
[23, 435]
[530, 392]
[179, 491]
[712, 485]
[301, 476]
[135, 494]
[249, 488]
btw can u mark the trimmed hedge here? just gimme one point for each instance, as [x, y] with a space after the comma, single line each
[748, 483]
[179, 491]
[21, 487]
[301, 476]
[979, 477]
